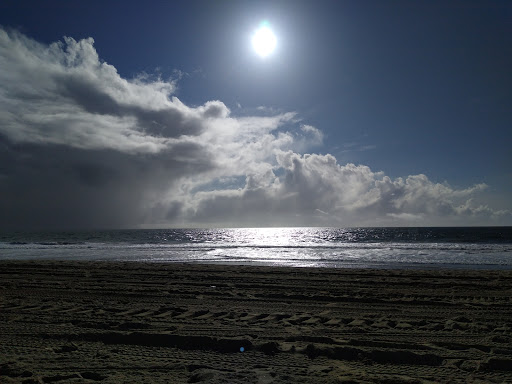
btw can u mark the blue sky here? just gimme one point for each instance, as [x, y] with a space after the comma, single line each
[402, 88]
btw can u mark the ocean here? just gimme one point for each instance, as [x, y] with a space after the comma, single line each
[425, 248]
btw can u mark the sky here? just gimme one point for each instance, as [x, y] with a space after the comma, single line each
[131, 114]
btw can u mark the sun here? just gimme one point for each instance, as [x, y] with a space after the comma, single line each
[264, 41]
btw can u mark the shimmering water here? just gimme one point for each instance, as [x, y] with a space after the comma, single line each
[484, 247]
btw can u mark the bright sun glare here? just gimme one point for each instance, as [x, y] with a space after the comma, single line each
[264, 41]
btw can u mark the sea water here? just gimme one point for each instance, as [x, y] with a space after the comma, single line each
[466, 247]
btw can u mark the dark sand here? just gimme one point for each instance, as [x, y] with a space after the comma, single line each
[70, 322]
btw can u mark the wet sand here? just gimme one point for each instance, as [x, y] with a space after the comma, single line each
[96, 322]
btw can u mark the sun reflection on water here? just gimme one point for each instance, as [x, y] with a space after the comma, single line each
[305, 247]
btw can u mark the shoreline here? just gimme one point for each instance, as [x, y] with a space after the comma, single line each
[108, 322]
[353, 266]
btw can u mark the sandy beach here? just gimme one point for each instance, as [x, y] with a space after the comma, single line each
[97, 322]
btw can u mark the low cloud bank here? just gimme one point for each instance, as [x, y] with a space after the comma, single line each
[80, 146]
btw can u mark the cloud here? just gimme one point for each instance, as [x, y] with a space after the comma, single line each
[316, 190]
[63, 94]
[81, 146]
[316, 137]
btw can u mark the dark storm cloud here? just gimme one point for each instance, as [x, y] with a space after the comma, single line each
[56, 186]
[80, 146]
